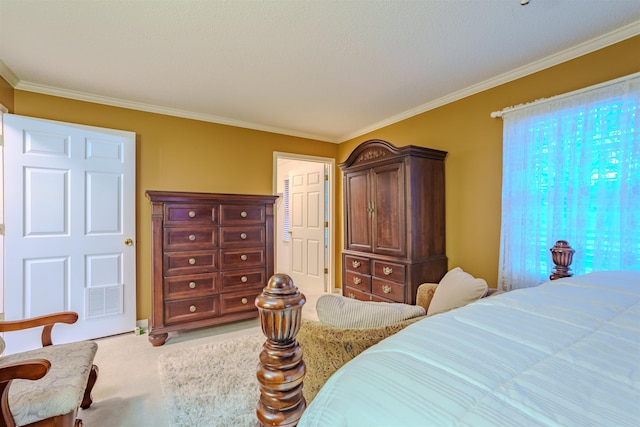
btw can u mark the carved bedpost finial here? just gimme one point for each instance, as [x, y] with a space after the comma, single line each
[281, 369]
[562, 255]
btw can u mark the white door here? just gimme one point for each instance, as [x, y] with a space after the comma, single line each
[306, 199]
[69, 227]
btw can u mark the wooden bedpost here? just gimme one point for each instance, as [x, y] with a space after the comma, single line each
[281, 369]
[562, 255]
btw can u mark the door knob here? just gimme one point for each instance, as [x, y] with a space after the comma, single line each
[128, 242]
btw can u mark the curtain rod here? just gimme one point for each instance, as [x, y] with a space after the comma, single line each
[564, 95]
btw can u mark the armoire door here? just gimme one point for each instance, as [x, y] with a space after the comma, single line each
[388, 213]
[358, 212]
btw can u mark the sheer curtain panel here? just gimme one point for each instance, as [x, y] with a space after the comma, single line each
[571, 171]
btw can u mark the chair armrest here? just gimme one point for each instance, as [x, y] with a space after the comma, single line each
[46, 321]
[32, 369]
[425, 294]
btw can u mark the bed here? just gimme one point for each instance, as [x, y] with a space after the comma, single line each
[566, 353]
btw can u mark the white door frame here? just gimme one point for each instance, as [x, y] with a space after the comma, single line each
[331, 208]
[3, 110]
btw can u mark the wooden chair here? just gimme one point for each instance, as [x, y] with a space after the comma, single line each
[45, 387]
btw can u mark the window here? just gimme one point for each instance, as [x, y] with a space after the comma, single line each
[571, 171]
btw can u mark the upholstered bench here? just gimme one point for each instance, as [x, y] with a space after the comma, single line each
[340, 335]
[55, 397]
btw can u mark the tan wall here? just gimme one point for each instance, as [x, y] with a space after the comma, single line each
[178, 154]
[474, 142]
[181, 154]
[6, 94]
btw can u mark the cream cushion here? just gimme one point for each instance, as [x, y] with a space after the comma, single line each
[456, 289]
[342, 312]
[60, 391]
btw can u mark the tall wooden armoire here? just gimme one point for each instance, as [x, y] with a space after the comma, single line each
[394, 235]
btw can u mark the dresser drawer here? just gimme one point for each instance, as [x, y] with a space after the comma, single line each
[239, 301]
[242, 237]
[242, 258]
[191, 262]
[190, 309]
[242, 214]
[243, 279]
[176, 213]
[356, 294]
[388, 290]
[191, 286]
[389, 271]
[359, 264]
[357, 280]
[190, 238]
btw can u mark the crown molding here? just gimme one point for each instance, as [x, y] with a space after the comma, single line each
[151, 108]
[8, 75]
[592, 45]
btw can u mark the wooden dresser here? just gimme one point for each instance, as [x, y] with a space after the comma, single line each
[211, 256]
[394, 225]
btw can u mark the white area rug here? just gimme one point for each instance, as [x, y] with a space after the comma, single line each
[213, 384]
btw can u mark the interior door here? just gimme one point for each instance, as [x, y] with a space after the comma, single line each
[69, 227]
[306, 198]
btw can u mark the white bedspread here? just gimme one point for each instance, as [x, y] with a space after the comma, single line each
[566, 353]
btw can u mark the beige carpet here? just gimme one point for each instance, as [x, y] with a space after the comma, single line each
[213, 384]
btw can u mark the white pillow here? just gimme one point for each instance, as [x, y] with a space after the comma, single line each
[343, 312]
[456, 289]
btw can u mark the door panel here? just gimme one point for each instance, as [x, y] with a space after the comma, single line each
[307, 197]
[358, 211]
[69, 208]
[388, 213]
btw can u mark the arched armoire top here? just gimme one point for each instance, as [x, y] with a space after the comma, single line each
[375, 150]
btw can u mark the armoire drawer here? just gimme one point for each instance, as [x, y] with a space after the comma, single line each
[389, 290]
[191, 262]
[190, 309]
[180, 213]
[359, 264]
[242, 214]
[242, 258]
[357, 280]
[356, 294]
[242, 237]
[190, 238]
[389, 271]
[191, 286]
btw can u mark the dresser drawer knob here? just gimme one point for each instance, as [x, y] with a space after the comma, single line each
[244, 300]
[192, 308]
[192, 285]
[192, 214]
[387, 270]
[192, 237]
[355, 264]
[243, 214]
[244, 279]
[352, 295]
[243, 236]
[386, 289]
[192, 261]
[357, 280]
[243, 257]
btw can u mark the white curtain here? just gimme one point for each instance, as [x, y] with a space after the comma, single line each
[571, 171]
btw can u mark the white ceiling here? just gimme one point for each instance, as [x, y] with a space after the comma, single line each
[323, 69]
